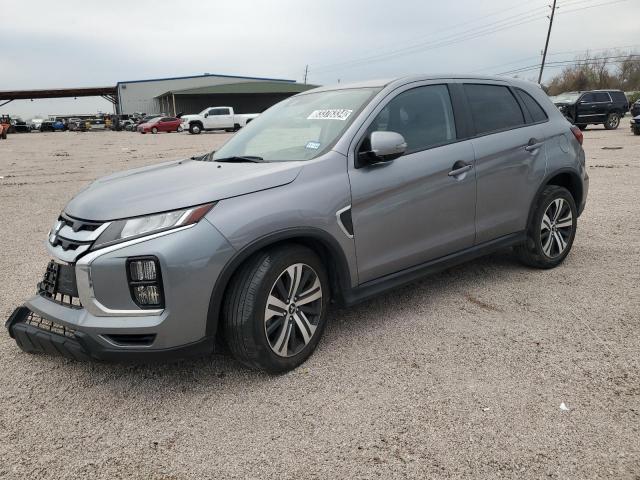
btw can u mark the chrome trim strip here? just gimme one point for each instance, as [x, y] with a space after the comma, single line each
[340, 224]
[85, 285]
[104, 337]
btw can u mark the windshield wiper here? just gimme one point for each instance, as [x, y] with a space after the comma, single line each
[204, 158]
[246, 158]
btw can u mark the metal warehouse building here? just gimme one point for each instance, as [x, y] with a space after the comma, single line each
[193, 94]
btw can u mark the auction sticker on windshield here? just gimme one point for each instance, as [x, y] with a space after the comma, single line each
[331, 114]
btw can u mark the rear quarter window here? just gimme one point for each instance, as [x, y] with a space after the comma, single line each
[533, 107]
[493, 108]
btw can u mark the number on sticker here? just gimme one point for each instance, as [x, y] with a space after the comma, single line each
[330, 114]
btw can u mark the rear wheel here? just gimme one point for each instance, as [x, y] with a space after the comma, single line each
[612, 122]
[154, 130]
[179, 129]
[275, 310]
[551, 230]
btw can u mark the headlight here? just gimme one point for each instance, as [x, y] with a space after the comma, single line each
[130, 228]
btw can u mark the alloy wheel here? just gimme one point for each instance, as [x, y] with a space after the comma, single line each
[293, 310]
[613, 121]
[556, 228]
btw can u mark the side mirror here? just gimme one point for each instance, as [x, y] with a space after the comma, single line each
[385, 147]
[206, 115]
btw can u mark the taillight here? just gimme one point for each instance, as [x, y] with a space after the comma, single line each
[577, 133]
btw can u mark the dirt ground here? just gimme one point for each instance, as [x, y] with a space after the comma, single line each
[458, 376]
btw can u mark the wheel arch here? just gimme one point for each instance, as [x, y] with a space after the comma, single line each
[567, 178]
[322, 243]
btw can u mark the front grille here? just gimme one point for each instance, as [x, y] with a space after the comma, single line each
[37, 321]
[59, 285]
[79, 225]
[68, 227]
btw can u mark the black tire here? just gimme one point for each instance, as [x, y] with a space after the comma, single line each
[636, 131]
[244, 311]
[612, 122]
[154, 130]
[582, 126]
[195, 128]
[532, 252]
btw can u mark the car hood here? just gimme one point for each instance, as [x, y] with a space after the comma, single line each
[189, 117]
[174, 185]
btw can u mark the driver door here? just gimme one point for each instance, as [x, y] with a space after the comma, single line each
[414, 209]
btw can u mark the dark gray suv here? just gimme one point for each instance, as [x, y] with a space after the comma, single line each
[333, 195]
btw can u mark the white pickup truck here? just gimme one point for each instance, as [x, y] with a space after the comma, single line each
[216, 118]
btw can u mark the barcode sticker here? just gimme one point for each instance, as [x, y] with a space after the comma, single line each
[331, 114]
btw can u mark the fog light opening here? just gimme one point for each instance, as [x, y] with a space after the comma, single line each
[145, 282]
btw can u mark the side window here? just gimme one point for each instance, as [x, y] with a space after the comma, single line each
[601, 97]
[423, 116]
[535, 110]
[493, 108]
[223, 111]
[212, 112]
[587, 98]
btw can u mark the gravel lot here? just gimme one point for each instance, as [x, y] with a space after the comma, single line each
[458, 376]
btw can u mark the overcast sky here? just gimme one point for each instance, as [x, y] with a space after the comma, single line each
[80, 43]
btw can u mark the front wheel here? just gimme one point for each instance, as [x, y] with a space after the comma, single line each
[612, 122]
[551, 230]
[275, 309]
[194, 129]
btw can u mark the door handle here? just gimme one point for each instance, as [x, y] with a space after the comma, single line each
[460, 170]
[533, 145]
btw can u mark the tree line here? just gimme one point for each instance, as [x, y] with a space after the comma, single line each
[608, 70]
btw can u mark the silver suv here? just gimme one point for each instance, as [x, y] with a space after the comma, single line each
[333, 195]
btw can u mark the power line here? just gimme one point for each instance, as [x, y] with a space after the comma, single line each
[442, 42]
[447, 37]
[585, 61]
[553, 54]
[452, 39]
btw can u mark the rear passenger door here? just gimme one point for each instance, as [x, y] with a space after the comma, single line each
[415, 208]
[222, 118]
[510, 158]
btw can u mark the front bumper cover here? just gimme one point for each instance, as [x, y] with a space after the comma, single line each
[83, 347]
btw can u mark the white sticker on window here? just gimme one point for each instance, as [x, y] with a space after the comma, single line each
[332, 114]
[313, 145]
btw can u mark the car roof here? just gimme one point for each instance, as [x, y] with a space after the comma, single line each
[381, 83]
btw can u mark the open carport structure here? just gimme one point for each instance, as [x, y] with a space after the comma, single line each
[108, 93]
[245, 97]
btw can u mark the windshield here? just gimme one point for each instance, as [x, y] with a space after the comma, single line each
[567, 97]
[299, 128]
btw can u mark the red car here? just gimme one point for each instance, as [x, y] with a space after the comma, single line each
[161, 124]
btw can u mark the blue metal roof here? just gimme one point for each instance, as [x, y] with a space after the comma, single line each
[209, 75]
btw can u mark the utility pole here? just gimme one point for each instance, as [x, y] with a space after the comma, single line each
[306, 70]
[546, 44]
